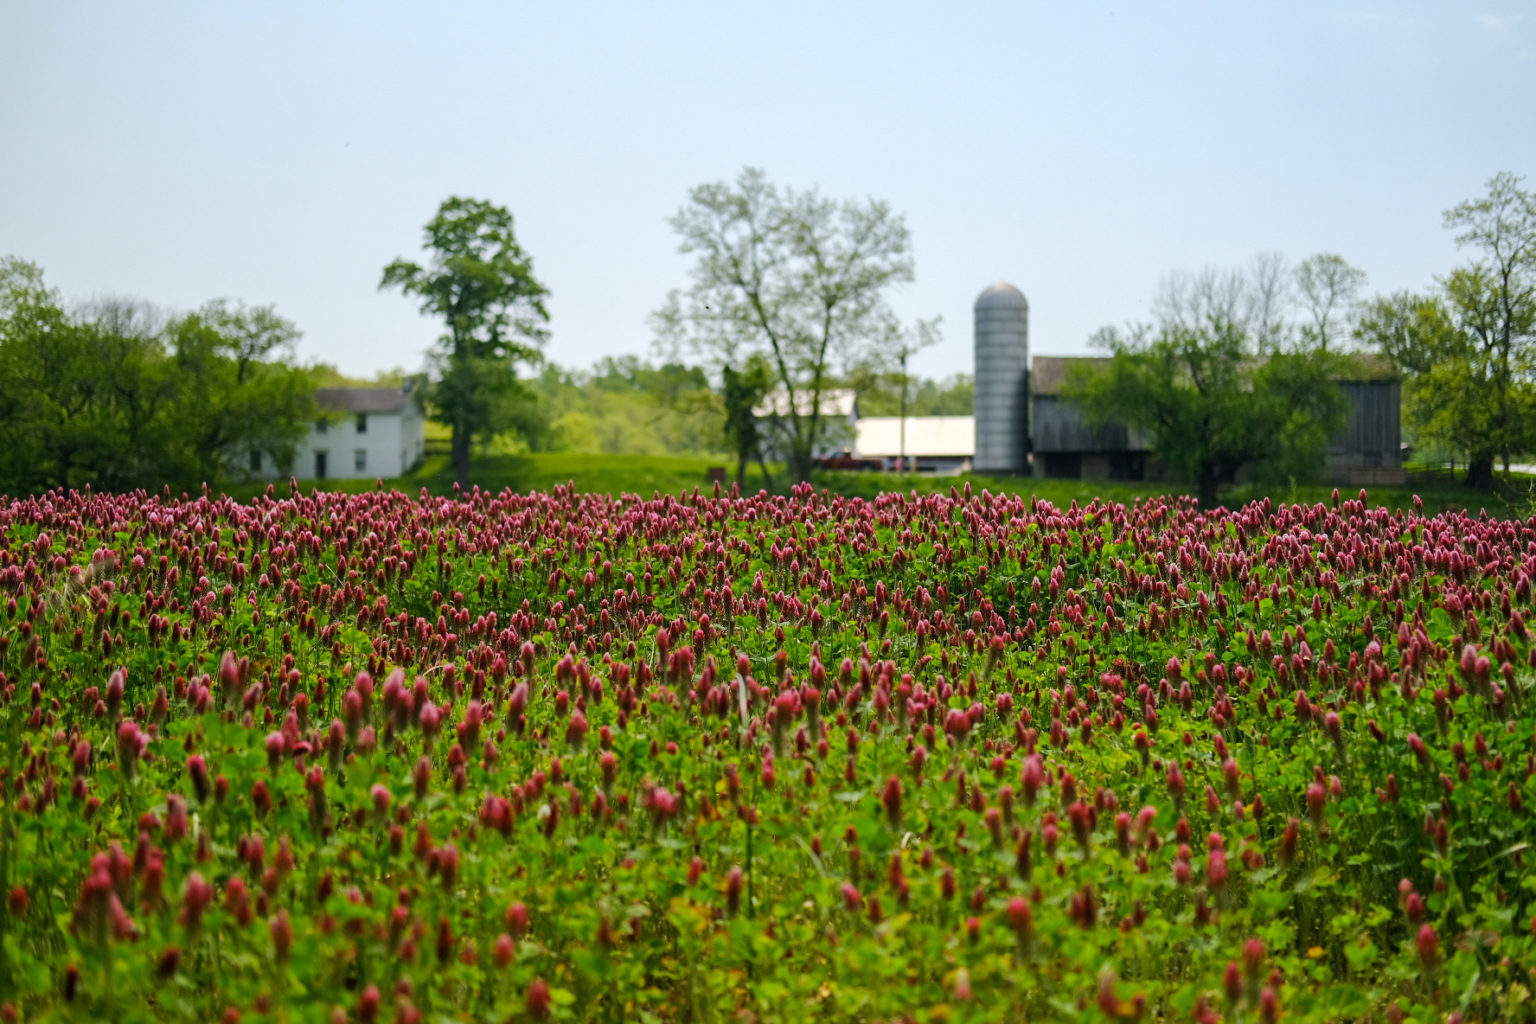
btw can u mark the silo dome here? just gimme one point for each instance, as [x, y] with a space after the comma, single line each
[1002, 294]
[1002, 380]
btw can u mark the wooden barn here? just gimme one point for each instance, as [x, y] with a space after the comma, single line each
[1366, 452]
[1065, 446]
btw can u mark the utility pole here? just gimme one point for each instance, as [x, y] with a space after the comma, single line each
[926, 333]
[901, 465]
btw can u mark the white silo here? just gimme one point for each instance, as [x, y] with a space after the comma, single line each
[1002, 380]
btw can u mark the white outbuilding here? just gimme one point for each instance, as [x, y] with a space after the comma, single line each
[942, 445]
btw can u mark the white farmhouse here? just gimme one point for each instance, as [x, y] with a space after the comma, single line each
[363, 433]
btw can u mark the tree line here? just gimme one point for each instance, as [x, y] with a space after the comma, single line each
[118, 395]
[788, 300]
[1235, 369]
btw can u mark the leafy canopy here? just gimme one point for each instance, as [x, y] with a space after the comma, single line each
[480, 283]
[793, 276]
[1468, 347]
[1215, 386]
[119, 395]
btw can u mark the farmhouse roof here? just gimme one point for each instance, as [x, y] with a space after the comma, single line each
[369, 400]
[838, 402]
[927, 436]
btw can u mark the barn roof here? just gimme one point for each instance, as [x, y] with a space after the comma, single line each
[1049, 373]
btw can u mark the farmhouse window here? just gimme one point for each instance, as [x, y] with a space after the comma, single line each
[255, 462]
[360, 459]
[362, 423]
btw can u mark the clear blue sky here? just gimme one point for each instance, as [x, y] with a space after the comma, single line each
[284, 152]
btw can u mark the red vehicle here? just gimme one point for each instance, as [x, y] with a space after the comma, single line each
[847, 460]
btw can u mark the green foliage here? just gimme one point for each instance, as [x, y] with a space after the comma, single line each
[480, 283]
[329, 376]
[794, 276]
[623, 405]
[121, 397]
[234, 398]
[950, 396]
[1469, 348]
[742, 391]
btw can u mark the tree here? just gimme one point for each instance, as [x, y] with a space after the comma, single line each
[954, 395]
[1329, 287]
[119, 395]
[481, 283]
[1211, 385]
[233, 398]
[742, 391]
[794, 276]
[926, 336]
[1253, 300]
[623, 406]
[1469, 348]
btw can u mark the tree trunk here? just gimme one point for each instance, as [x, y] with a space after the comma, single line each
[763, 465]
[741, 468]
[1480, 472]
[460, 450]
[1207, 487]
[801, 464]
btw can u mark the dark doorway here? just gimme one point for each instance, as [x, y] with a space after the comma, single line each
[1064, 465]
[320, 465]
[1127, 465]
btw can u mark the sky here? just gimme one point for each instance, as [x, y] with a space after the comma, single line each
[283, 153]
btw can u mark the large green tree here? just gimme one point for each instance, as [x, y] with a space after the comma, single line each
[1468, 348]
[480, 282]
[1216, 384]
[235, 393]
[794, 276]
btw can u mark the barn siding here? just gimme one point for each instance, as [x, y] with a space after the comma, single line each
[1372, 433]
[1059, 426]
[1366, 451]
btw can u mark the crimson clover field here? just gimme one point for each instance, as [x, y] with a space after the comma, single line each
[560, 756]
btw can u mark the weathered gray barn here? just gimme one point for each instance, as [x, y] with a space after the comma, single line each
[1065, 446]
[1366, 452]
[1369, 450]
[1024, 425]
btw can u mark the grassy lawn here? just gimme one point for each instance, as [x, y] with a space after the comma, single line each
[643, 475]
[542, 471]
